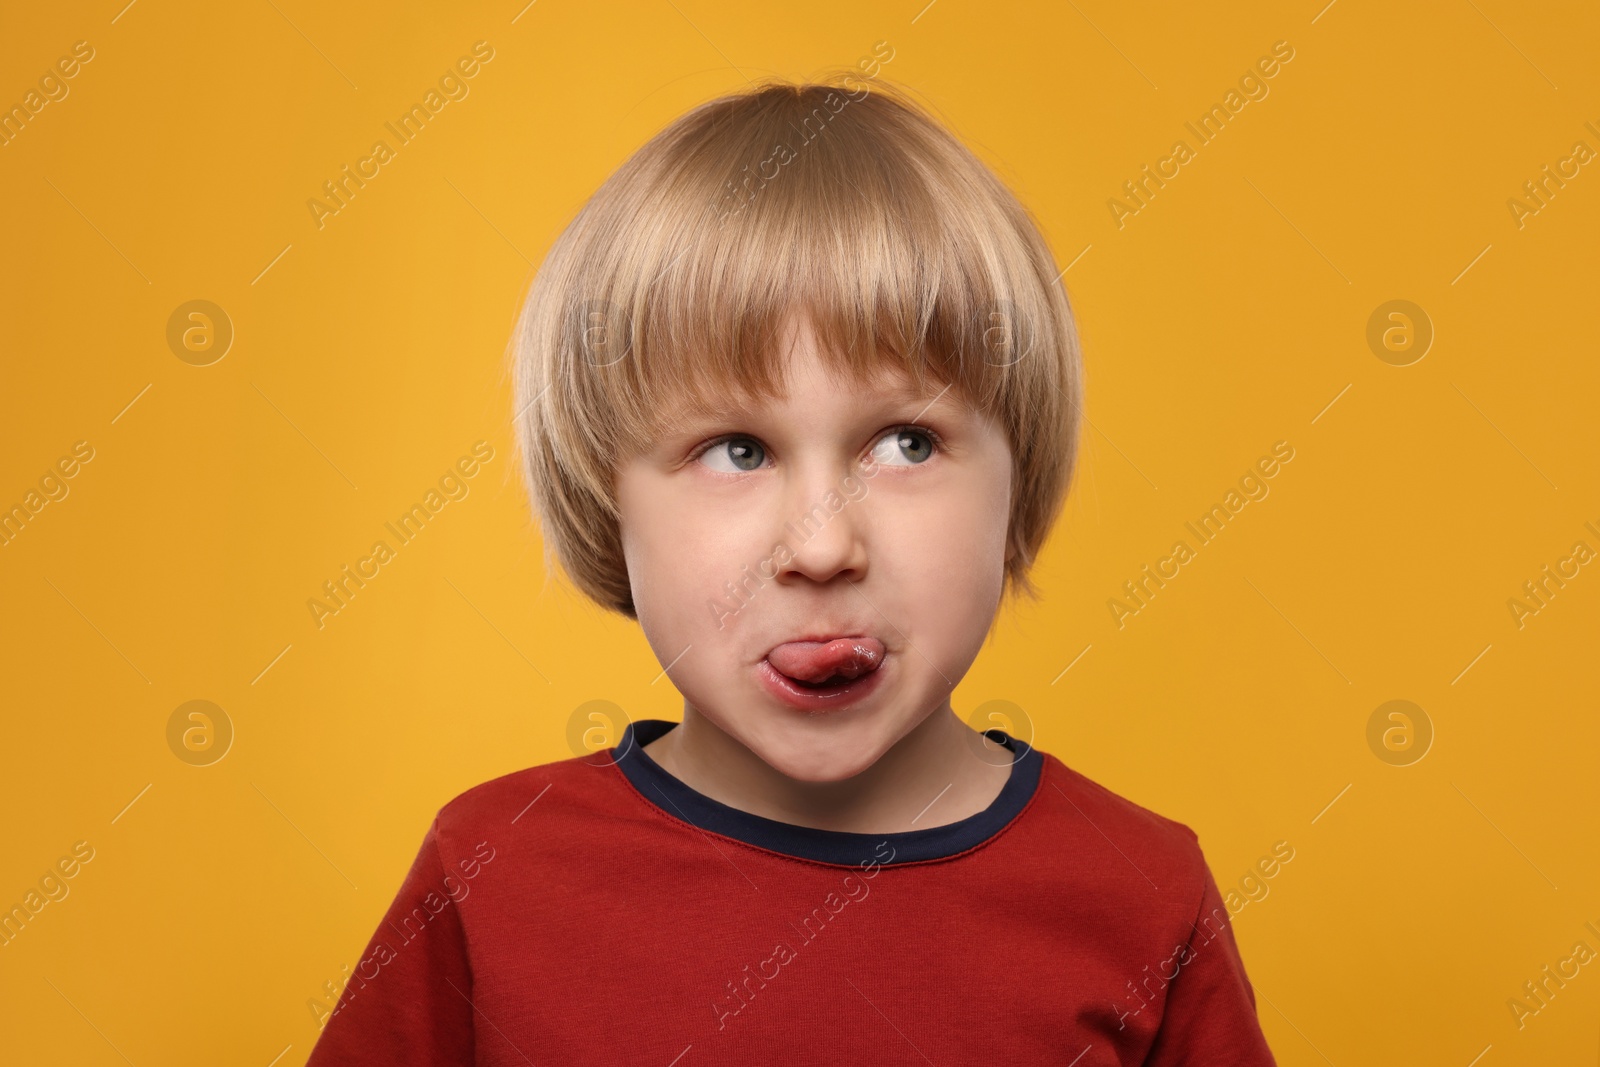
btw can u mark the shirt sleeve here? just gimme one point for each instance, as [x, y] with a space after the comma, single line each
[406, 1001]
[1210, 1011]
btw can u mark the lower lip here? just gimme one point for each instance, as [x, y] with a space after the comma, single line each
[790, 692]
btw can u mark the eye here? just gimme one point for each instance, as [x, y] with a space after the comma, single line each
[732, 455]
[903, 447]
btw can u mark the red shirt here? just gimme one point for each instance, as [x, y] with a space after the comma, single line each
[597, 910]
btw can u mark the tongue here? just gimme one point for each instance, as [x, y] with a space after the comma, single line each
[817, 661]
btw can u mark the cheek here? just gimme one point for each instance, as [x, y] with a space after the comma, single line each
[941, 557]
[680, 554]
[967, 533]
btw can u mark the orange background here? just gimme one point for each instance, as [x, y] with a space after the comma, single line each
[1230, 312]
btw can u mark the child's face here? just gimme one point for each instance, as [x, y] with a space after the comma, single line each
[829, 513]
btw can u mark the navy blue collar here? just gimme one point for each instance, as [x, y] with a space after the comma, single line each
[676, 799]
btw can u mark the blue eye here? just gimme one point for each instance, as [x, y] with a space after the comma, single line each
[904, 447]
[734, 455]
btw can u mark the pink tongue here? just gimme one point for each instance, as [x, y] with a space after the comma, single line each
[817, 661]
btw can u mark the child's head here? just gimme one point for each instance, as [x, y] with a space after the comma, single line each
[801, 369]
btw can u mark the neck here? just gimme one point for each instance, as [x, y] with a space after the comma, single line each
[928, 778]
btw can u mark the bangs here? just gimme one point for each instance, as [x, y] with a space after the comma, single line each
[892, 242]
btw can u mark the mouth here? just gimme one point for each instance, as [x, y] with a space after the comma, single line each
[819, 674]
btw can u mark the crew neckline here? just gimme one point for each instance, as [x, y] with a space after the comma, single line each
[677, 800]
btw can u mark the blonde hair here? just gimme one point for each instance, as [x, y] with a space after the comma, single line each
[666, 291]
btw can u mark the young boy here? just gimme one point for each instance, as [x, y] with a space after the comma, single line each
[800, 394]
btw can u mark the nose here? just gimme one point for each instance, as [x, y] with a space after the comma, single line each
[825, 531]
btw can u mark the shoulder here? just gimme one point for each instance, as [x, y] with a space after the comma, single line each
[1136, 844]
[546, 798]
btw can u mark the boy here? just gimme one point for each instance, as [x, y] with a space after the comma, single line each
[801, 397]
